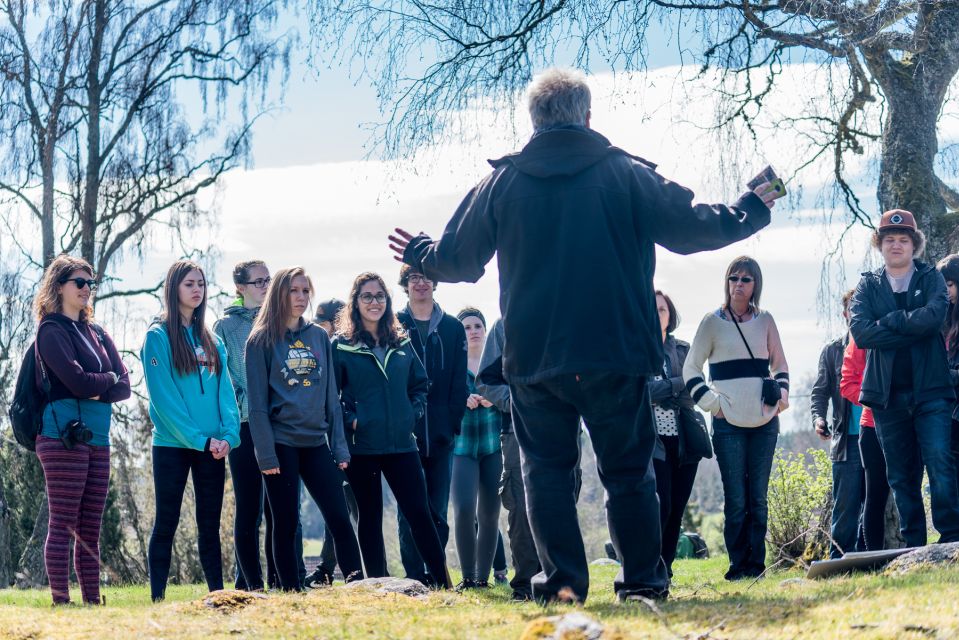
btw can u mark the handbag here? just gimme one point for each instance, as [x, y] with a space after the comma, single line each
[693, 435]
[771, 394]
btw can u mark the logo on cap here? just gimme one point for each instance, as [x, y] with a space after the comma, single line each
[896, 219]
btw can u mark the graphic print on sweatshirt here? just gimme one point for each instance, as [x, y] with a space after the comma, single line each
[300, 364]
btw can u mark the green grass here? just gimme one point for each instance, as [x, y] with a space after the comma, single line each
[864, 606]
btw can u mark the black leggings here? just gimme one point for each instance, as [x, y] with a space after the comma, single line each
[674, 484]
[248, 495]
[322, 479]
[171, 468]
[404, 474]
[877, 489]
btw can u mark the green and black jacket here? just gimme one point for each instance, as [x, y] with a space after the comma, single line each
[385, 398]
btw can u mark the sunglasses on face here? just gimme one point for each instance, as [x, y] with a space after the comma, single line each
[80, 282]
[743, 279]
[368, 298]
[259, 283]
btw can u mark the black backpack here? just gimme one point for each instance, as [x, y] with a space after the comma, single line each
[26, 409]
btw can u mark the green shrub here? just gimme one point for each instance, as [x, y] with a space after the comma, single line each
[799, 498]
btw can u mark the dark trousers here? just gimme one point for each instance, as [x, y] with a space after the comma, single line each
[619, 419]
[848, 493]
[171, 468]
[674, 484]
[745, 457]
[328, 553]
[877, 490]
[405, 476]
[315, 466]
[513, 496]
[250, 498]
[438, 470]
[499, 558]
[913, 435]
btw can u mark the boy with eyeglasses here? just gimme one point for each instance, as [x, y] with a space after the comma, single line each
[439, 341]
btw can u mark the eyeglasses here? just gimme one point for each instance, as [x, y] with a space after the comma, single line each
[368, 298]
[417, 279]
[259, 283]
[743, 279]
[80, 282]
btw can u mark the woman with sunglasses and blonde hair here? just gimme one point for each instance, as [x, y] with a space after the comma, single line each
[195, 422]
[748, 388]
[83, 375]
[297, 423]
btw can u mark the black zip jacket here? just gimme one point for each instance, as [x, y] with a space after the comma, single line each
[386, 399]
[568, 213]
[671, 392]
[826, 390]
[878, 326]
[443, 354]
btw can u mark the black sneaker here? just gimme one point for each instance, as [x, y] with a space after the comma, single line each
[500, 577]
[638, 595]
[319, 578]
[521, 596]
[467, 584]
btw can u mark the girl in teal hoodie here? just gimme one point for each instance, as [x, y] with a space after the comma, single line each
[195, 422]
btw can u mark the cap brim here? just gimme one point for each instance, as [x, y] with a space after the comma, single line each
[897, 227]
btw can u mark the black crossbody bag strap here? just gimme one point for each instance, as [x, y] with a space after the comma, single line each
[750, 351]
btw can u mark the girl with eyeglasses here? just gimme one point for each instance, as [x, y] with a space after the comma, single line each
[297, 423]
[383, 389]
[80, 366]
[747, 390]
[195, 422]
[251, 279]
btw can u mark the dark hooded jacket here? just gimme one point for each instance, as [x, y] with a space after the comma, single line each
[878, 326]
[571, 214]
[443, 354]
[826, 390]
[386, 399]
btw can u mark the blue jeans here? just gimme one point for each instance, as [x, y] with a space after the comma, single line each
[745, 457]
[438, 469]
[913, 435]
[848, 494]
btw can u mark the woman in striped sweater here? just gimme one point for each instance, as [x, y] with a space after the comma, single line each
[742, 345]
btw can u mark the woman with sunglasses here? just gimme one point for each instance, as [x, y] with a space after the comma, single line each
[195, 422]
[383, 390]
[251, 279]
[297, 423]
[85, 376]
[748, 388]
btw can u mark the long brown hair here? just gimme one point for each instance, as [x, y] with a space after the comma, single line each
[350, 322]
[184, 357]
[749, 266]
[270, 324]
[48, 299]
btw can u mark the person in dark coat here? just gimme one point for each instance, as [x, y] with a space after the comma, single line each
[571, 212]
[897, 316]
[674, 415]
[439, 341]
[848, 476]
[949, 268]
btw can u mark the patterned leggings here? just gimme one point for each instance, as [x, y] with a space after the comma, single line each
[77, 482]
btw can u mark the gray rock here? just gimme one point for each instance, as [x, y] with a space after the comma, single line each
[565, 627]
[601, 562]
[405, 586]
[931, 556]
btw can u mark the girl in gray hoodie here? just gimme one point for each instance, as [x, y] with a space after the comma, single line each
[296, 422]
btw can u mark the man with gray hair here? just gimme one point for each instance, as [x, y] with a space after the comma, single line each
[571, 215]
